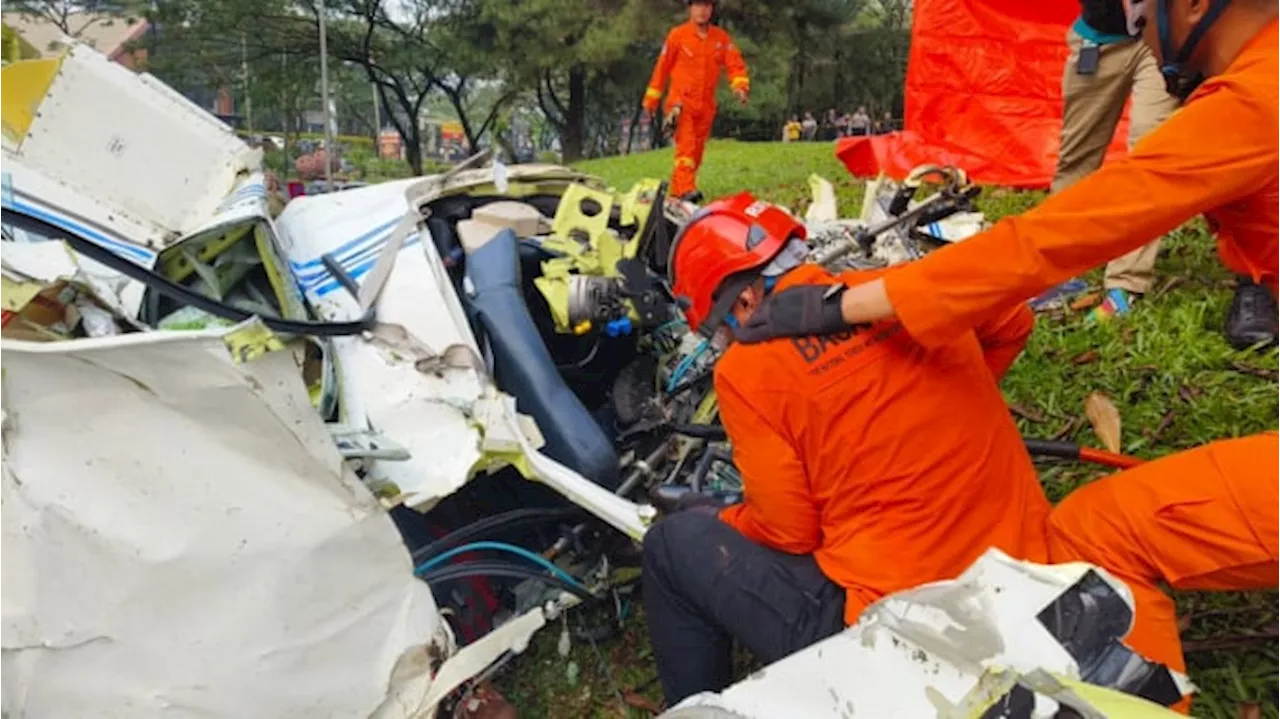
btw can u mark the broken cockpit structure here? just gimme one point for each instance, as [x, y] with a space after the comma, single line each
[181, 531]
[244, 437]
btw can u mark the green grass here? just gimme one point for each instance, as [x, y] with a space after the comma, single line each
[773, 171]
[1166, 364]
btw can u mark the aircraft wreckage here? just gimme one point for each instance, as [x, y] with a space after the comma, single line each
[347, 461]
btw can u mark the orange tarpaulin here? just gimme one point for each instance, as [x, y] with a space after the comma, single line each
[983, 92]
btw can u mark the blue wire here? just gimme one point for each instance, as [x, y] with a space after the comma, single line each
[685, 364]
[500, 547]
[670, 323]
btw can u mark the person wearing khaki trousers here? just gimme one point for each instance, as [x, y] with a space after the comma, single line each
[1105, 67]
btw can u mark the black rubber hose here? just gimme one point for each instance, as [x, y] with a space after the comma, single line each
[346, 280]
[1067, 450]
[704, 466]
[508, 570]
[1052, 448]
[710, 432]
[186, 296]
[506, 521]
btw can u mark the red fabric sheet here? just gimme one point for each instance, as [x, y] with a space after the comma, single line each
[983, 92]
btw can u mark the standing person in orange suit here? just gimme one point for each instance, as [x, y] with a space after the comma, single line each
[692, 58]
[868, 463]
[1201, 519]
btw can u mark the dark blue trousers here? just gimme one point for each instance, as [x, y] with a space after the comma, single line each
[706, 586]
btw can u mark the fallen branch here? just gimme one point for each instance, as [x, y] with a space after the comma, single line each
[1255, 371]
[1165, 423]
[1232, 642]
[1168, 284]
[1069, 429]
[1027, 413]
[1195, 616]
[1085, 357]
[640, 701]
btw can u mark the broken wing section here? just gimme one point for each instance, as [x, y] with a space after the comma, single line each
[235, 567]
[1006, 639]
[128, 141]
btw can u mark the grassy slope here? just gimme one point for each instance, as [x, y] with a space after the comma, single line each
[1168, 359]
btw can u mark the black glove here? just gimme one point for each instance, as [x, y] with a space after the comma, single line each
[795, 312]
[671, 498]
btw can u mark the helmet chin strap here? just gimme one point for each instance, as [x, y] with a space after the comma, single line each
[1175, 81]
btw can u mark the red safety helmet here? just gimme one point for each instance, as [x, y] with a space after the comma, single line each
[714, 255]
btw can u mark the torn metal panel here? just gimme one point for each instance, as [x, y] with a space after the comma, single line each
[385, 387]
[503, 426]
[822, 206]
[26, 83]
[521, 181]
[950, 649]
[512, 637]
[38, 208]
[236, 568]
[45, 264]
[136, 127]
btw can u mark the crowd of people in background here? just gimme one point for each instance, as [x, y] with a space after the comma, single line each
[836, 124]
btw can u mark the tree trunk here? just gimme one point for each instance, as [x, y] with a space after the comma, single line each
[573, 134]
[631, 129]
[413, 147]
[802, 62]
[838, 81]
[455, 98]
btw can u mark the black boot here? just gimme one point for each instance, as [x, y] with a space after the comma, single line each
[694, 196]
[1252, 317]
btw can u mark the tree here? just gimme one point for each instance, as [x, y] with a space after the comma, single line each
[892, 14]
[570, 54]
[582, 63]
[406, 59]
[73, 17]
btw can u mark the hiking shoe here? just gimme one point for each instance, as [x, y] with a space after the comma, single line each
[1058, 296]
[1117, 302]
[1252, 317]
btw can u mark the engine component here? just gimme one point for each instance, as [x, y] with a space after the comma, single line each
[597, 301]
[615, 305]
[891, 230]
[596, 281]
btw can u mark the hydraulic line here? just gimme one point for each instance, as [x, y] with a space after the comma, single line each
[505, 522]
[509, 570]
[537, 559]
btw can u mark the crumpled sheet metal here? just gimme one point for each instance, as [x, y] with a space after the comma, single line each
[180, 538]
[943, 649]
[47, 263]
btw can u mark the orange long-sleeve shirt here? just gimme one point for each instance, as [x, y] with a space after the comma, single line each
[1217, 155]
[693, 64]
[892, 464]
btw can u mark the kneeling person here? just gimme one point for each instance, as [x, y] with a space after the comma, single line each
[869, 463]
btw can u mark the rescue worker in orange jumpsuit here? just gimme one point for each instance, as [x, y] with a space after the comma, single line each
[692, 58]
[1200, 519]
[869, 463]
